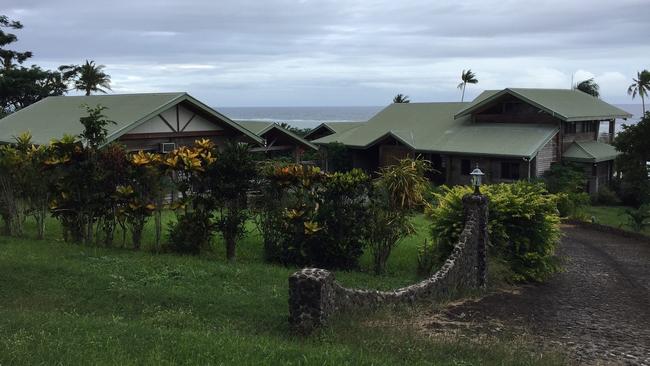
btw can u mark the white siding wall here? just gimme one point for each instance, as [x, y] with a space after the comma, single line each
[157, 125]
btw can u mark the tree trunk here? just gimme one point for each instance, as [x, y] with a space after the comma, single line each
[462, 97]
[40, 221]
[643, 105]
[158, 218]
[230, 248]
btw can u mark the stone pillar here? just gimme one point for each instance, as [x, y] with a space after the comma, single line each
[479, 205]
[311, 299]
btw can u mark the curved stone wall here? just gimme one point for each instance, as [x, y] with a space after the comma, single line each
[314, 294]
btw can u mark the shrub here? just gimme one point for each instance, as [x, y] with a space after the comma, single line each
[310, 218]
[607, 196]
[565, 177]
[230, 179]
[633, 145]
[187, 167]
[426, 258]
[338, 157]
[344, 216]
[523, 226]
[638, 218]
[80, 196]
[572, 205]
[568, 180]
[191, 233]
[287, 211]
[397, 193]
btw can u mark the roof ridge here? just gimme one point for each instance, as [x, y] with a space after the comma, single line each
[583, 149]
[114, 95]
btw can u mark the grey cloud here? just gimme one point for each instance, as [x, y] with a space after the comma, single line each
[359, 51]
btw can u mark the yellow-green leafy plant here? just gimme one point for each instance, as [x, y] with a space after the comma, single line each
[138, 199]
[398, 192]
[523, 226]
[187, 166]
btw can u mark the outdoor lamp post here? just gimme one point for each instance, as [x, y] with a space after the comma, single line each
[477, 177]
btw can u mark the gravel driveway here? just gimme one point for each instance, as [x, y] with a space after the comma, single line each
[597, 310]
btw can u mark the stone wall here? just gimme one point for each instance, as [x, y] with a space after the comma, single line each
[314, 294]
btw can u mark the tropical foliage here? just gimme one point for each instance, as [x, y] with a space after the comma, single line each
[21, 86]
[523, 226]
[632, 142]
[397, 193]
[466, 77]
[638, 218]
[338, 157]
[23, 185]
[88, 78]
[640, 87]
[567, 181]
[588, 86]
[401, 98]
[231, 178]
[308, 217]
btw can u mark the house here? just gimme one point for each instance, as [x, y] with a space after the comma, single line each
[151, 121]
[278, 140]
[329, 128]
[511, 134]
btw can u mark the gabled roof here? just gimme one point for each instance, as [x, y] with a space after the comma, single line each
[590, 152]
[566, 104]
[260, 128]
[53, 117]
[334, 127]
[432, 127]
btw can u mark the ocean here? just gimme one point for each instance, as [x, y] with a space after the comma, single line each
[309, 117]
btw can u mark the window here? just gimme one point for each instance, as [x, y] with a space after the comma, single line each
[465, 166]
[509, 171]
[588, 127]
[570, 127]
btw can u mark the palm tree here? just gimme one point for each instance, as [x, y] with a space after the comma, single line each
[401, 98]
[467, 77]
[588, 86]
[641, 86]
[88, 77]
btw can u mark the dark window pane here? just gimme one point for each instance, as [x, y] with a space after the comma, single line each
[465, 166]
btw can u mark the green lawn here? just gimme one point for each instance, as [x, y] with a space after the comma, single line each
[614, 216]
[67, 304]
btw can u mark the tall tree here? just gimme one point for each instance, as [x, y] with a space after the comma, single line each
[8, 56]
[641, 86]
[21, 86]
[588, 86]
[89, 77]
[632, 142]
[467, 77]
[401, 98]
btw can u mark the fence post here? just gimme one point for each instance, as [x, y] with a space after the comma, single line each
[478, 203]
[311, 299]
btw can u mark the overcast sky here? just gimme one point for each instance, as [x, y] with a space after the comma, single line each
[340, 52]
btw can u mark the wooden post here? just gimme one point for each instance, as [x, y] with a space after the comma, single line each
[612, 129]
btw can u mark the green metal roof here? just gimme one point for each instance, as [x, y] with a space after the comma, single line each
[432, 127]
[53, 117]
[566, 104]
[334, 127]
[259, 128]
[590, 152]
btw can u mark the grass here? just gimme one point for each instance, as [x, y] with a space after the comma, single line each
[614, 216]
[62, 303]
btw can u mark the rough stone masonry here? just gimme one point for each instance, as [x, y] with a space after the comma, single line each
[314, 294]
